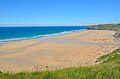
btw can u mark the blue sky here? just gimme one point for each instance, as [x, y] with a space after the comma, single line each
[59, 12]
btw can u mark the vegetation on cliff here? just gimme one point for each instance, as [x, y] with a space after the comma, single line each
[115, 27]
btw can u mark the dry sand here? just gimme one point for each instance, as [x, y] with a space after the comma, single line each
[69, 50]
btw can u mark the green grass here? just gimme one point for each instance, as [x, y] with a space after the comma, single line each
[108, 69]
[113, 57]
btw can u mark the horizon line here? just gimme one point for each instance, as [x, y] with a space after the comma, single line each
[53, 24]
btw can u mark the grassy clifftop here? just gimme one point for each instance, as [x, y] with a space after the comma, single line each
[115, 27]
[108, 69]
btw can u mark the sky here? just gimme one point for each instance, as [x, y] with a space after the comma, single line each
[59, 12]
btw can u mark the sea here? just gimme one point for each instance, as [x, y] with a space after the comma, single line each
[8, 34]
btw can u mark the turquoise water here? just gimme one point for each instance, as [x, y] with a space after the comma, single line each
[20, 33]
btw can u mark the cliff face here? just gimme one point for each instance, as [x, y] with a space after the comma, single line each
[117, 34]
[114, 27]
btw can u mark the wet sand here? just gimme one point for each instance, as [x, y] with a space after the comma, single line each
[69, 50]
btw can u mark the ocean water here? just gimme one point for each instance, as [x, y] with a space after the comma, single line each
[22, 33]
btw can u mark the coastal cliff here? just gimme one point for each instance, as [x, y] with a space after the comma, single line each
[113, 27]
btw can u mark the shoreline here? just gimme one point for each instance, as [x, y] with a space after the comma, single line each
[42, 54]
[3, 41]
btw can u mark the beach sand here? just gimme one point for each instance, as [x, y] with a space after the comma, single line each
[56, 52]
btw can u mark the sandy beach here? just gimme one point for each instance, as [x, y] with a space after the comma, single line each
[57, 52]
